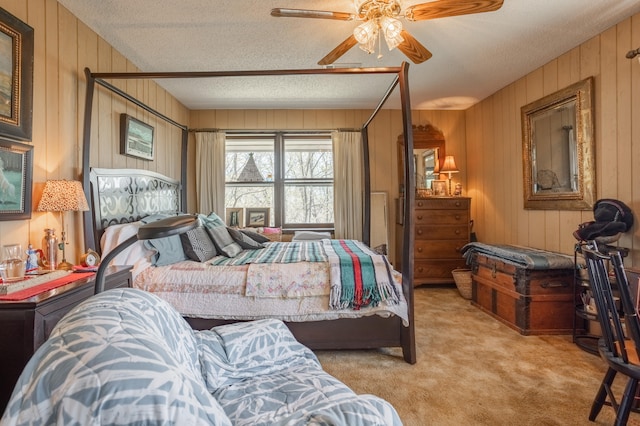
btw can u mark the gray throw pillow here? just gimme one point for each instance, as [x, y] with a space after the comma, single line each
[245, 241]
[168, 250]
[197, 245]
[255, 236]
[223, 241]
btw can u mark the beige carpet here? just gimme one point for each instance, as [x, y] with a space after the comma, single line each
[473, 370]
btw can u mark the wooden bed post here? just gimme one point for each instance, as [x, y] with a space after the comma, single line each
[408, 333]
[87, 217]
[366, 220]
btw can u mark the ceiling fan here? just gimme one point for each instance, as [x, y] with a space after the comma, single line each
[381, 17]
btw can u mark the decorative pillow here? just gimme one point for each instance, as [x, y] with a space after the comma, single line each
[269, 231]
[310, 236]
[245, 241]
[197, 245]
[211, 220]
[255, 236]
[168, 250]
[223, 241]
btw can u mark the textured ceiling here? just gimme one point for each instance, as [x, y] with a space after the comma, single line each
[473, 55]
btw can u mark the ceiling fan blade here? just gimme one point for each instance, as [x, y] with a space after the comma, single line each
[445, 8]
[340, 50]
[413, 49]
[304, 13]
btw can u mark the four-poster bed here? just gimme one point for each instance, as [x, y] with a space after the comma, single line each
[345, 333]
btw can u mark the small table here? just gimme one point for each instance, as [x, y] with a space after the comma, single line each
[26, 324]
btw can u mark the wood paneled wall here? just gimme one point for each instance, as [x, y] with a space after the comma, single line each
[383, 136]
[63, 47]
[494, 144]
[486, 139]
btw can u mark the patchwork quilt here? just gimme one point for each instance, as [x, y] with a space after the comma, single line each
[127, 357]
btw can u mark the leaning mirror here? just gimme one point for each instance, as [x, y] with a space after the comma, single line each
[559, 150]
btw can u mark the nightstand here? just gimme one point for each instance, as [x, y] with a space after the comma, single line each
[26, 324]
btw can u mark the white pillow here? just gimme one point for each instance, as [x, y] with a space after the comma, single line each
[136, 255]
[310, 236]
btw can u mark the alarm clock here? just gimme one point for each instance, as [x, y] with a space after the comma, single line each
[90, 259]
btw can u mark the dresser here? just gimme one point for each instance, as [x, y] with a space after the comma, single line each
[442, 228]
[26, 324]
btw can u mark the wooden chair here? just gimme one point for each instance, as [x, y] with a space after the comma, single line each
[620, 339]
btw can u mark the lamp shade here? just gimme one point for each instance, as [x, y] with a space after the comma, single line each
[63, 196]
[449, 165]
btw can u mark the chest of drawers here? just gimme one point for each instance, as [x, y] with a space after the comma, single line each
[442, 228]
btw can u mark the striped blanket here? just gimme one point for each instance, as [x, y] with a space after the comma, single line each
[303, 251]
[358, 276]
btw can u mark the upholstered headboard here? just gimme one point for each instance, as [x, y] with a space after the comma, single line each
[128, 195]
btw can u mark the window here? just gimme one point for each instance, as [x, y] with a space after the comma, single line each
[291, 174]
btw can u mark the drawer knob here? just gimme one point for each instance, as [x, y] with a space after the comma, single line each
[419, 232]
[458, 204]
[419, 217]
[420, 204]
[419, 249]
[420, 269]
[457, 217]
[457, 232]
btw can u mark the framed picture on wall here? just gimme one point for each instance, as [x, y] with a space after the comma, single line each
[16, 174]
[257, 217]
[136, 138]
[16, 77]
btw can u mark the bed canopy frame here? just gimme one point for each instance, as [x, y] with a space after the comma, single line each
[400, 80]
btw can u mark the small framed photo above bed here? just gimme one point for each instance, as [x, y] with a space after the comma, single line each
[257, 217]
[136, 138]
[235, 216]
[16, 174]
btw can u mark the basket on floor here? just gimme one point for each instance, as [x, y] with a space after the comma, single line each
[462, 277]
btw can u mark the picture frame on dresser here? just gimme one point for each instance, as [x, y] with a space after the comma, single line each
[16, 179]
[235, 216]
[257, 217]
[16, 69]
[439, 188]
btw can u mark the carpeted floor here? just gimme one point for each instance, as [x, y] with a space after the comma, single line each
[474, 370]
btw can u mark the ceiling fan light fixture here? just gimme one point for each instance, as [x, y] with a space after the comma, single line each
[391, 28]
[370, 45]
[366, 32]
[358, 4]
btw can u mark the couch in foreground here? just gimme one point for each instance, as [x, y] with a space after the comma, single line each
[127, 357]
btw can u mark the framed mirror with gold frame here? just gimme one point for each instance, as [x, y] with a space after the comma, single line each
[559, 150]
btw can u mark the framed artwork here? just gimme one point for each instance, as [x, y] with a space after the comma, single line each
[136, 138]
[16, 77]
[439, 187]
[257, 217]
[234, 216]
[16, 180]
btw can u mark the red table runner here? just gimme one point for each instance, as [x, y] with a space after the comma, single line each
[40, 288]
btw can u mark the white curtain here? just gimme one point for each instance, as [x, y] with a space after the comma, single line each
[210, 172]
[348, 169]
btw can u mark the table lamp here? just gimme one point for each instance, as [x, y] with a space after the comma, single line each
[167, 227]
[449, 167]
[63, 196]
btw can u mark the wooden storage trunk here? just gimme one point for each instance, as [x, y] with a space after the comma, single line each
[531, 301]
